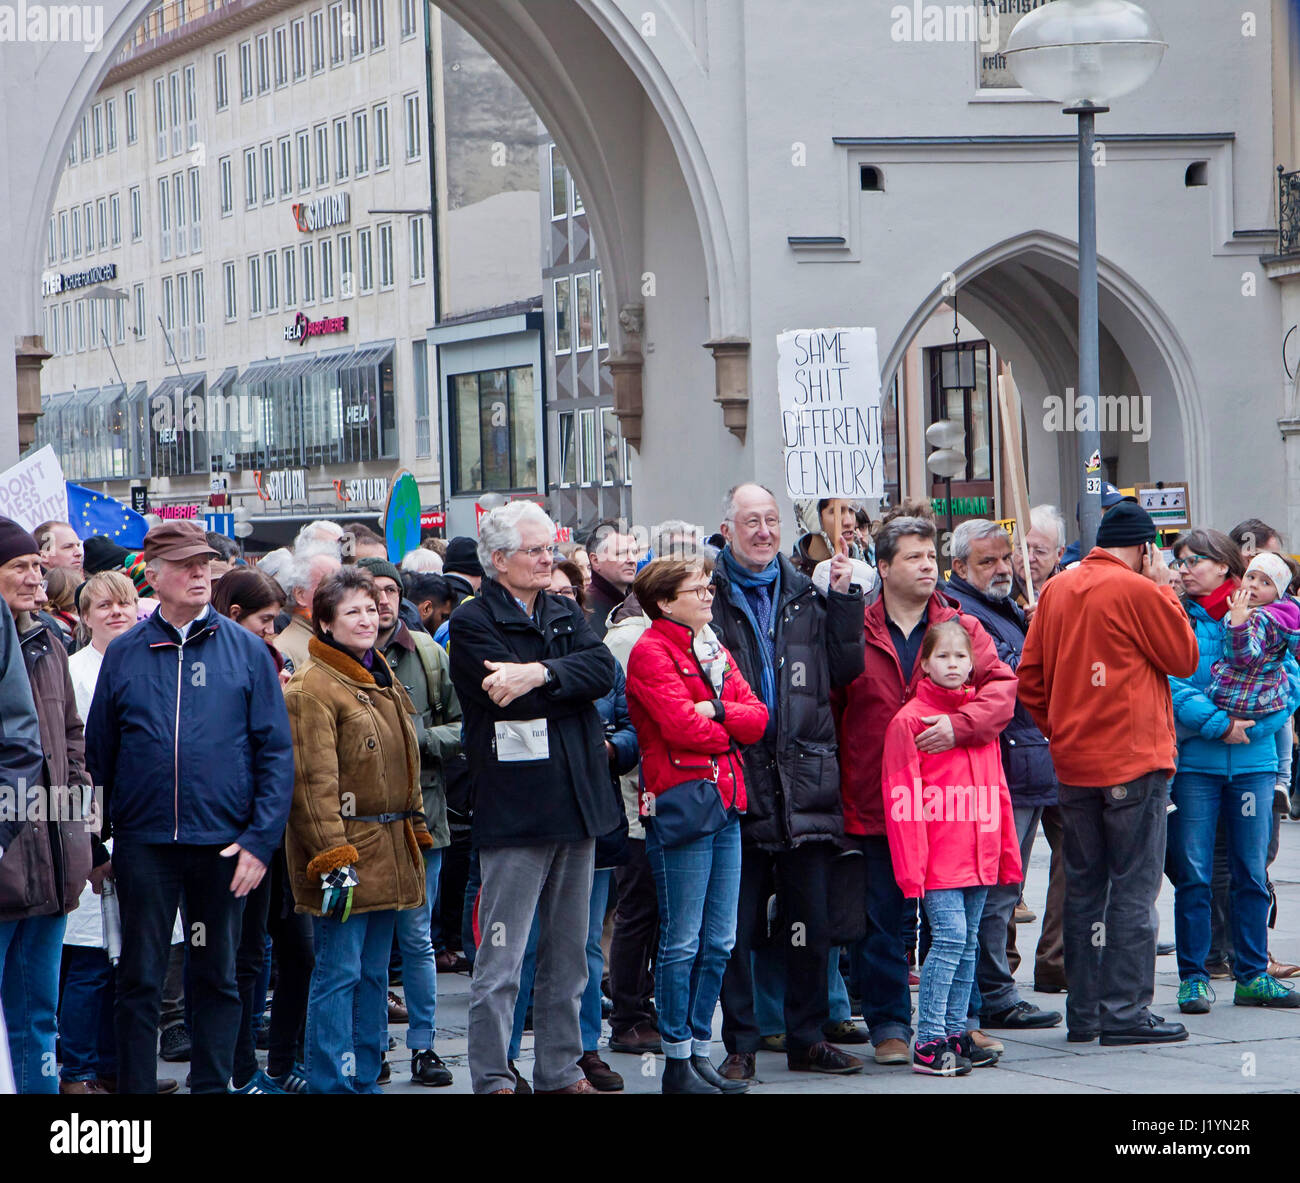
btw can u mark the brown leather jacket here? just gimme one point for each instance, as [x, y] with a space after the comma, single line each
[355, 757]
[44, 870]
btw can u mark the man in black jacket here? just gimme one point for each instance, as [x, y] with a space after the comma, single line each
[613, 556]
[982, 583]
[528, 670]
[792, 646]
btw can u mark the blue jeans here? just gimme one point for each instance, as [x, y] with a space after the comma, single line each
[769, 990]
[30, 953]
[880, 958]
[419, 973]
[589, 1016]
[698, 884]
[1245, 805]
[347, 1009]
[86, 1015]
[949, 969]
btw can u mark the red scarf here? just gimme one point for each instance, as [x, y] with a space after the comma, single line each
[1216, 603]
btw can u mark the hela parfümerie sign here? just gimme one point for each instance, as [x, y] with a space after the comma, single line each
[56, 283]
[302, 328]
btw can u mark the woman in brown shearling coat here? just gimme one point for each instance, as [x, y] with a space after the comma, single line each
[355, 830]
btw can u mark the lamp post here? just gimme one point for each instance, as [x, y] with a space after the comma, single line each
[1083, 53]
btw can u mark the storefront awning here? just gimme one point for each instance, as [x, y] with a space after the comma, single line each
[108, 395]
[185, 384]
[226, 378]
[369, 355]
[259, 371]
[82, 398]
[333, 360]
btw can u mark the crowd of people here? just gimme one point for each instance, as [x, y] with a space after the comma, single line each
[628, 780]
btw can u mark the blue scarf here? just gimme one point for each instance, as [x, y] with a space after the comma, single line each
[755, 593]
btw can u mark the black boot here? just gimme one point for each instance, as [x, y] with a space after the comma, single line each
[680, 1077]
[707, 1072]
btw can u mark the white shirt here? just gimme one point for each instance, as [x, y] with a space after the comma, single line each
[184, 630]
[84, 667]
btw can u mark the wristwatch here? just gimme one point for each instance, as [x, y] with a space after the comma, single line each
[550, 675]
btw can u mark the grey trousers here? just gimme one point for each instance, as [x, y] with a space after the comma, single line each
[554, 881]
[997, 987]
[1114, 846]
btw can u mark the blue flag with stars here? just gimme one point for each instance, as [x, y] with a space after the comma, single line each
[93, 513]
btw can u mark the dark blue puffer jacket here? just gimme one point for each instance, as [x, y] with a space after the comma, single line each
[1026, 757]
[611, 848]
[190, 741]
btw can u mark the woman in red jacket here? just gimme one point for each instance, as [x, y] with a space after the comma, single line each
[952, 836]
[691, 708]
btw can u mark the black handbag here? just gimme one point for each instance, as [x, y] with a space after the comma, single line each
[690, 810]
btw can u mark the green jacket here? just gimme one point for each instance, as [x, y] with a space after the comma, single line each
[420, 664]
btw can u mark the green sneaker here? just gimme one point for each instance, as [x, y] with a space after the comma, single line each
[1195, 996]
[1263, 990]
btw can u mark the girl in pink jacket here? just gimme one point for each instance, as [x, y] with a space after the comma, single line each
[952, 836]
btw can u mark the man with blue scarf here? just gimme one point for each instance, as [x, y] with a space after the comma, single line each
[792, 645]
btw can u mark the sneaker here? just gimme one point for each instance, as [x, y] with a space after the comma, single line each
[936, 1058]
[1022, 1016]
[601, 1076]
[823, 1057]
[175, 1045]
[1195, 996]
[293, 1081]
[427, 1068]
[397, 1012]
[259, 1082]
[845, 1031]
[977, 1055]
[1262, 990]
[772, 1043]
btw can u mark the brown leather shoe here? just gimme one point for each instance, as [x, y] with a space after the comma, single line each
[1024, 914]
[522, 1087]
[738, 1066]
[578, 1086]
[987, 1042]
[823, 1057]
[603, 1078]
[82, 1088]
[397, 1012]
[448, 962]
[893, 1051]
[636, 1040]
[1281, 969]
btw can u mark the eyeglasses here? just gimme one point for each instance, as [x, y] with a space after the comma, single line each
[704, 594]
[567, 590]
[1189, 561]
[533, 553]
[753, 523]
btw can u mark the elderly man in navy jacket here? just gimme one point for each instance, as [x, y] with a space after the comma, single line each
[189, 737]
[981, 583]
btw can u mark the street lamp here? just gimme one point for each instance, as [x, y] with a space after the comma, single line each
[1083, 53]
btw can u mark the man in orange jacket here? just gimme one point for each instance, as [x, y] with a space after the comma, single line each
[1104, 641]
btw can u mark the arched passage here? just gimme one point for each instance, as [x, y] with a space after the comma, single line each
[1021, 293]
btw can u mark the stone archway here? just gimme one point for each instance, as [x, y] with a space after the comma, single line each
[1021, 292]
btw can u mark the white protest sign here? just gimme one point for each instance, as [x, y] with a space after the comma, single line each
[829, 383]
[33, 491]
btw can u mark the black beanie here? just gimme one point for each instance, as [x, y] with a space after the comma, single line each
[103, 554]
[15, 541]
[462, 558]
[1127, 524]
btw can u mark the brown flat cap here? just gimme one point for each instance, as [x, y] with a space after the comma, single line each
[177, 541]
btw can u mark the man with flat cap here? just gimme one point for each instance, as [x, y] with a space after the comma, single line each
[189, 737]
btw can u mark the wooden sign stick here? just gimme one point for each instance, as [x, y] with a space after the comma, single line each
[837, 515]
[1009, 410]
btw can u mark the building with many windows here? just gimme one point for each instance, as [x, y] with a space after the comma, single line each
[243, 258]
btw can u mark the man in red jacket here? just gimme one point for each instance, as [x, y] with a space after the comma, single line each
[1107, 636]
[895, 625]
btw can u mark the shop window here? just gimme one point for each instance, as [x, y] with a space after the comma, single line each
[493, 431]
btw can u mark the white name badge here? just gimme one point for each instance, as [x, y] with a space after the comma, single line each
[522, 739]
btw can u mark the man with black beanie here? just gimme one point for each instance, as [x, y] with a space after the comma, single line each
[1106, 638]
[463, 573]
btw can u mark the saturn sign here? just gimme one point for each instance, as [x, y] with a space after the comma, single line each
[324, 212]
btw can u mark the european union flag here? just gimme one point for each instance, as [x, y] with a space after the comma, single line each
[93, 513]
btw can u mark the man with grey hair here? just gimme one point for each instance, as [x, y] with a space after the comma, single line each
[318, 536]
[1046, 542]
[981, 585]
[300, 580]
[528, 670]
[675, 539]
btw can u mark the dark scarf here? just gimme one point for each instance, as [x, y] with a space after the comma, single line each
[376, 669]
[755, 593]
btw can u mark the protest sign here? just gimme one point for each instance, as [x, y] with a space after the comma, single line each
[829, 384]
[32, 491]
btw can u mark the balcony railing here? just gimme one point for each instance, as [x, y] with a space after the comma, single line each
[1288, 212]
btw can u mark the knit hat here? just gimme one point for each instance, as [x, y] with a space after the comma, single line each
[462, 558]
[1274, 568]
[102, 554]
[1128, 524]
[381, 567]
[15, 541]
[133, 565]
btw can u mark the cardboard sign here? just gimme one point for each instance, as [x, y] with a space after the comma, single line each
[32, 491]
[1167, 503]
[829, 385]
